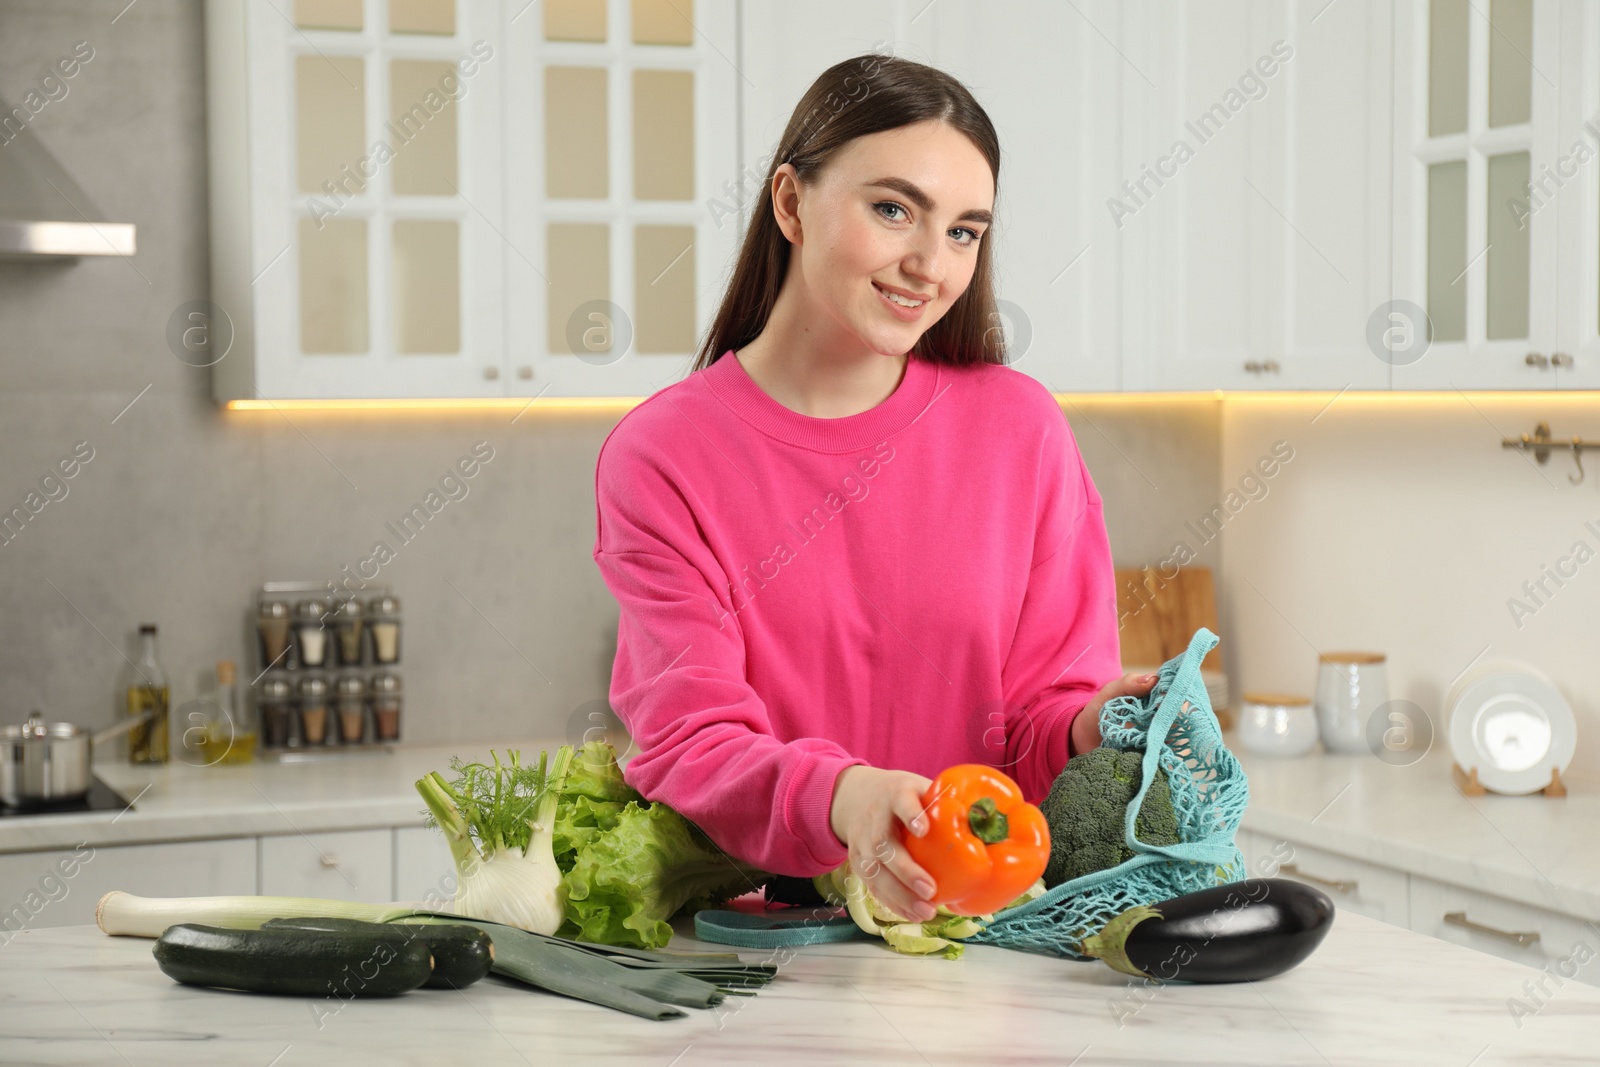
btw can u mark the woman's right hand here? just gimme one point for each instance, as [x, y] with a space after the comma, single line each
[868, 803]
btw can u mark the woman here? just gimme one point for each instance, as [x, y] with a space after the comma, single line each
[852, 547]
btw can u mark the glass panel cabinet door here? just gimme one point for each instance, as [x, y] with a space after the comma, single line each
[356, 181]
[466, 198]
[1478, 98]
[620, 145]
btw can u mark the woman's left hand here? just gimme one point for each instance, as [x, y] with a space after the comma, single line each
[1086, 727]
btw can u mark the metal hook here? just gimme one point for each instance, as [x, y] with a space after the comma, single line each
[1541, 443]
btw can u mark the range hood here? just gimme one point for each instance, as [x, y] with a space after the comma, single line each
[43, 212]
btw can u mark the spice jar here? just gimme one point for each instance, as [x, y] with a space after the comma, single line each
[347, 630]
[386, 705]
[272, 628]
[311, 634]
[350, 699]
[314, 710]
[384, 621]
[276, 704]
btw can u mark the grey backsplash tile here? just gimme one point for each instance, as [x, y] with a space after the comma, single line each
[1157, 465]
[509, 628]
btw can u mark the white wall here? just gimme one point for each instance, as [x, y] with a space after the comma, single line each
[1402, 526]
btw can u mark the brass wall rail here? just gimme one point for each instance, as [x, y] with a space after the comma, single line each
[1541, 444]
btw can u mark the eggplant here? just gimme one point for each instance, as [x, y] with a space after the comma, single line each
[1239, 932]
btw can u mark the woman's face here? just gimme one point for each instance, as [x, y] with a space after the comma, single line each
[899, 211]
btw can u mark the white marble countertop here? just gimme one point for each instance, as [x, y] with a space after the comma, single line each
[178, 802]
[1535, 849]
[1371, 994]
[1411, 818]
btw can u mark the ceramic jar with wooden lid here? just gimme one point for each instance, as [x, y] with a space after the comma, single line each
[1351, 686]
[1277, 724]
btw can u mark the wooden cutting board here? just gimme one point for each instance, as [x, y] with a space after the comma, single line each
[1158, 615]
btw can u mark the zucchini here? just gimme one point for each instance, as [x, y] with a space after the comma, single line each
[296, 962]
[1239, 932]
[461, 954]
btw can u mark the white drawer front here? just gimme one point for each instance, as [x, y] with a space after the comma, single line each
[61, 887]
[424, 869]
[1509, 929]
[1365, 888]
[352, 865]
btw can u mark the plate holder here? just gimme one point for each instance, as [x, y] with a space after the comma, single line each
[1467, 782]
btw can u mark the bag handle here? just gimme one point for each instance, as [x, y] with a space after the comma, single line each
[1186, 679]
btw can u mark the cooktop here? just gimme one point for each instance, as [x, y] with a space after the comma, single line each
[101, 797]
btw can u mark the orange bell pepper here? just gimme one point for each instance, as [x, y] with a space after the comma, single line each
[985, 845]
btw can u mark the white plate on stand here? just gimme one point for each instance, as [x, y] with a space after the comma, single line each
[1507, 719]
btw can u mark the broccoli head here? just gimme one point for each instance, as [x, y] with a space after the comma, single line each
[1086, 808]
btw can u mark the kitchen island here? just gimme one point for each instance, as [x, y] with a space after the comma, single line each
[1371, 994]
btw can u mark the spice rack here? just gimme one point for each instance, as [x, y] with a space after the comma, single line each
[327, 679]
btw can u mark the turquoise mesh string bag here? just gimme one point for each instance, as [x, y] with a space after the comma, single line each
[1177, 730]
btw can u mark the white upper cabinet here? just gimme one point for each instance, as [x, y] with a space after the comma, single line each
[1575, 182]
[465, 198]
[1254, 202]
[1039, 70]
[1051, 85]
[1478, 100]
[462, 198]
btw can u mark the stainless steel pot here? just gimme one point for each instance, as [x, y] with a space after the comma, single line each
[43, 761]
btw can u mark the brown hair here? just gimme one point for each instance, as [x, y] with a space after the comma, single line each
[867, 94]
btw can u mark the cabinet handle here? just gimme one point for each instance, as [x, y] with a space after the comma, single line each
[1536, 359]
[1267, 367]
[491, 373]
[524, 372]
[1333, 884]
[330, 860]
[1562, 359]
[1459, 918]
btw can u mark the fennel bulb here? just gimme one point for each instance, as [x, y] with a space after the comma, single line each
[500, 824]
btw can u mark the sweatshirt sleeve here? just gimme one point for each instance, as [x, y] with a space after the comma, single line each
[1066, 644]
[704, 740]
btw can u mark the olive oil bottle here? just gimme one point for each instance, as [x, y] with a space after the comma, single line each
[146, 686]
[230, 732]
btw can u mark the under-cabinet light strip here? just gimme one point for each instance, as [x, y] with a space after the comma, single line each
[612, 403]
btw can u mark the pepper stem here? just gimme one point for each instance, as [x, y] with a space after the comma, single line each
[988, 825]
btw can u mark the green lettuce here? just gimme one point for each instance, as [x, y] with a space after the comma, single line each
[595, 774]
[629, 865]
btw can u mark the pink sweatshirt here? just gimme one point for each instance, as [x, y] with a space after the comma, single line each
[919, 585]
